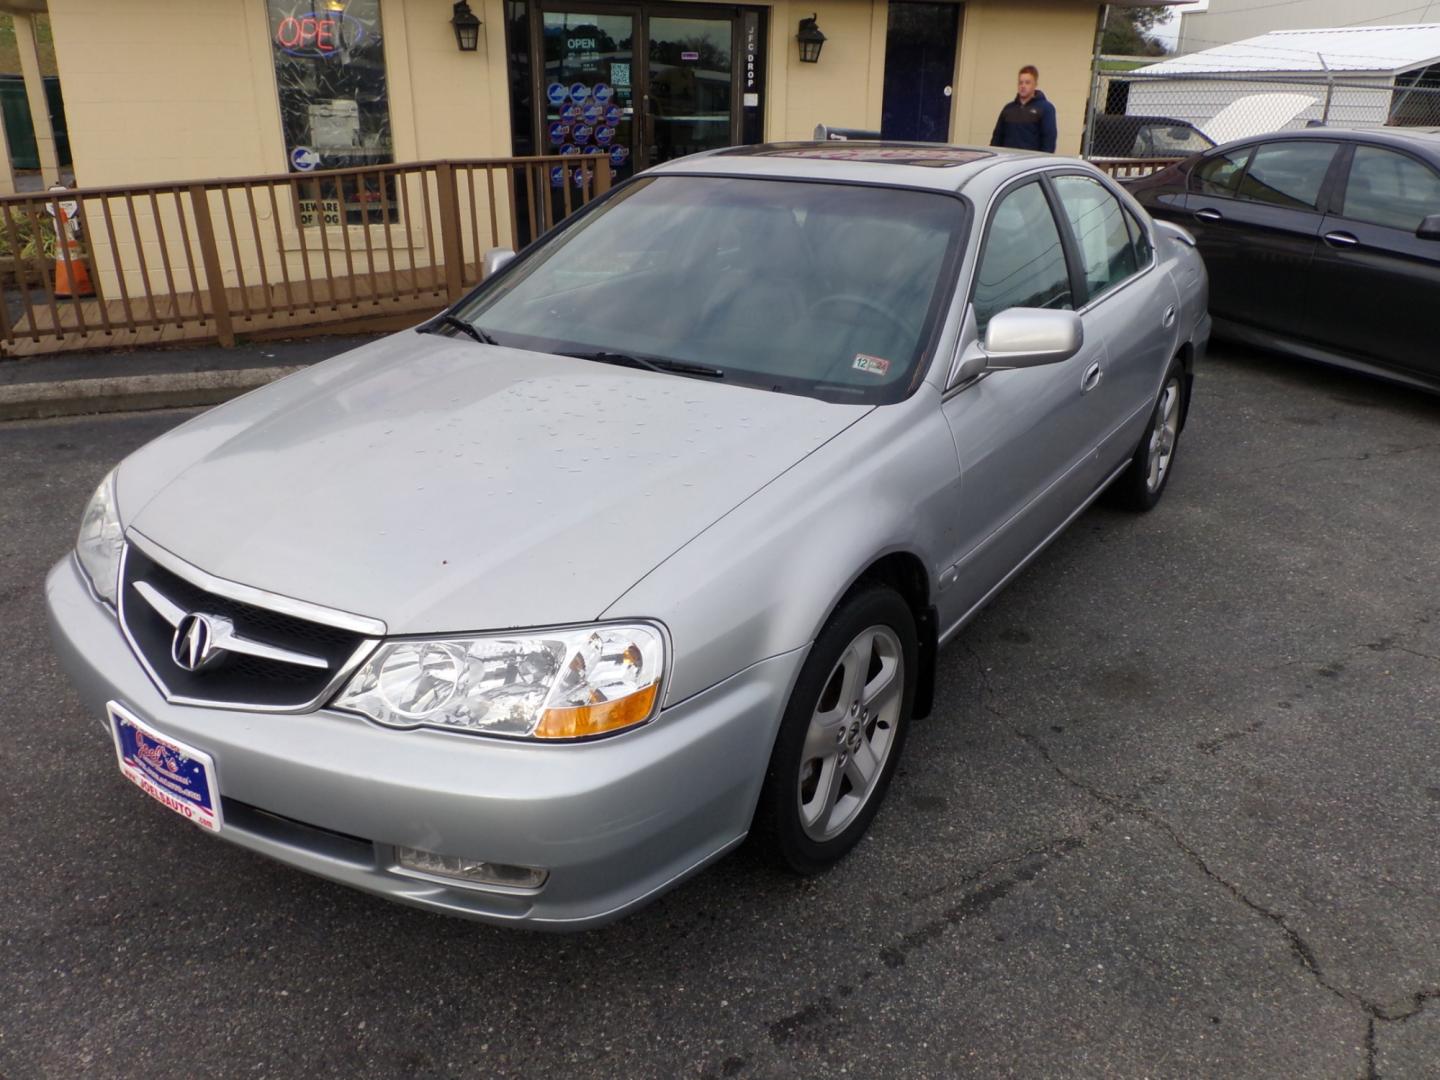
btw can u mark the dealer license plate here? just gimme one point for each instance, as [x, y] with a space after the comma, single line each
[178, 777]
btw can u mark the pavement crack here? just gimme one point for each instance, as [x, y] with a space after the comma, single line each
[1026, 867]
[1387, 644]
[1368, 455]
[1213, 746]
[1128, 805]
[1411, 1006]
[1023, 867]
[1131, 805]
[1064, 844]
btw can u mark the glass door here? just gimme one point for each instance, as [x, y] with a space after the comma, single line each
[690, 103]
[588, 85]
[642, 83]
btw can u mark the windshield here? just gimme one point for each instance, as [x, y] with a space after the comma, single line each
[829, 290]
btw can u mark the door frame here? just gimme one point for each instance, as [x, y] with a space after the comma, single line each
[952, 76]
[640, 12]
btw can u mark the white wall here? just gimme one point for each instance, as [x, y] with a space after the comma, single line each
[1200, 100]
[1232, 20]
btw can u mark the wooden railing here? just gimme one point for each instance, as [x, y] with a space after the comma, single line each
[1132, 168]
[269, 255]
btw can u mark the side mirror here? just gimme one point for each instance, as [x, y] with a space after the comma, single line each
[1030, 337]
[1429, 228]
[494, 259]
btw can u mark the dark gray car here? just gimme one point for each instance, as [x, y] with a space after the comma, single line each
[1322, 243]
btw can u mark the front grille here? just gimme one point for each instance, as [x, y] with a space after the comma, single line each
[235, 679]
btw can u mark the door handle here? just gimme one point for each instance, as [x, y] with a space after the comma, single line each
[1341, 239]
[1170, 315]
[1092, 377]
[1209, 215]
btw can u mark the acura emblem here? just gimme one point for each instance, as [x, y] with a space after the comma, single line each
[194, 645]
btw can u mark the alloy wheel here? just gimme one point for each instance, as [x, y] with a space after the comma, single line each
[1164, 434]
[851, 733]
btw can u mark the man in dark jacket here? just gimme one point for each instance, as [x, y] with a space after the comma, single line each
[1028, 122]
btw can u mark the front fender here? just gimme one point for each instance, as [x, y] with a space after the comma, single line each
[763, 579]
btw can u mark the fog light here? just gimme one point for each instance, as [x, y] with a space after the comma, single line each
[471, 870]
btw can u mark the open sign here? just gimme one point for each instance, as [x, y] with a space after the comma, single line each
[318, 34]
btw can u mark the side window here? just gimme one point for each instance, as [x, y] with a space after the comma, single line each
[1288, 174]
[1022, 263]
[1220, 174]
[1144, 252]
[1390, 189]
[1098, 224]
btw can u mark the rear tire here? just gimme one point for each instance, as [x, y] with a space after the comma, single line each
[1140, 486]
[842, 732]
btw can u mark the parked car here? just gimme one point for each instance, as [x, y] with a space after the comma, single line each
[651, 539]
[1323, 243]
[1120, 136]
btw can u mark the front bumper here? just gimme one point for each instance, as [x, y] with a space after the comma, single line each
[615, 822]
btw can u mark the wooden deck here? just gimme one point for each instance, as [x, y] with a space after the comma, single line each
[337, 305]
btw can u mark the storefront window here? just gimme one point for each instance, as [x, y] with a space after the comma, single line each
[334, 105]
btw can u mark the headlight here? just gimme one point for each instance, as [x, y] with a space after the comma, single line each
[101, 540]
[563, 684]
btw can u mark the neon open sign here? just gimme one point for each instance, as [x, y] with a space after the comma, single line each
[318, 34]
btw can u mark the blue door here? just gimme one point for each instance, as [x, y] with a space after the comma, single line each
[919, 66]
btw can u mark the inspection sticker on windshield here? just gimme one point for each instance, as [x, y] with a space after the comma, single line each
[178, 777]
[874, 365]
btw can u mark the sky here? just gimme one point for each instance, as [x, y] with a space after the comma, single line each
[1169, 32]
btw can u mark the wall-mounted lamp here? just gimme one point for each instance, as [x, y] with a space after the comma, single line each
[467, 27]
[811, 41]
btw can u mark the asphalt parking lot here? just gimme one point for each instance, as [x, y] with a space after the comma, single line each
[1176, 814]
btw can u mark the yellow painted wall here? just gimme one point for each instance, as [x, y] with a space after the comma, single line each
[460, 102]
[998, 37]
[169, 90]
[159, 90]
[173, 90]
[845, 88]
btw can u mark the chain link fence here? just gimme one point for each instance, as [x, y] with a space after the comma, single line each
[1157, 117]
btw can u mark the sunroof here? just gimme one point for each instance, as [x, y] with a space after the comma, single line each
[936, 157]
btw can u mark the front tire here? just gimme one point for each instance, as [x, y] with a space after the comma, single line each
[842, 732]
[1140, 486]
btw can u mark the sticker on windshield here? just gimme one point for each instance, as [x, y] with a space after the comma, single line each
[872, 365]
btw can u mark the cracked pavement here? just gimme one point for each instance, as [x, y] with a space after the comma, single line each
[1175, 814]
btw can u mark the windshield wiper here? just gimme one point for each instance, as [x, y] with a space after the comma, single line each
[672, 367]
[457, 323]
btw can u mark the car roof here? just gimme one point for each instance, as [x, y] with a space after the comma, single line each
[1424, 139]
[1136, 120]
[903, 164]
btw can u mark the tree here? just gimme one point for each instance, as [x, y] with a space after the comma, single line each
[1127, 31]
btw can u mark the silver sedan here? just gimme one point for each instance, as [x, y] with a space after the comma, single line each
[649, 543]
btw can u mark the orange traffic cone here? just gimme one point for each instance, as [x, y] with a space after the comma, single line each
[72, 277]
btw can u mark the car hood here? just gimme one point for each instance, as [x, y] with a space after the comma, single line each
[441, 485]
